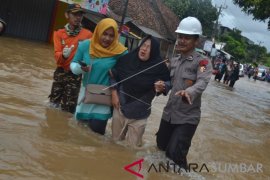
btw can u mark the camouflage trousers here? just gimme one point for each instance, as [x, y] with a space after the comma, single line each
[65, 89]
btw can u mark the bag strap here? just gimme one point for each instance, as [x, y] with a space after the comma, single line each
[88, 76]
[90, 66]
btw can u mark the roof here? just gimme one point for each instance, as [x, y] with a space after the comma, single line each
[117, 17]
[152, 14]
[227, 55]
[151, 32]
[94, 16]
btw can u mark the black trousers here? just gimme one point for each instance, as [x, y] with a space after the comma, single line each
[175, 140]
[232, 82]
[98, 126]
[219, 76]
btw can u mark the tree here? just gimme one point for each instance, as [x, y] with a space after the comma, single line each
[202, 9]
[260, 9]
[178, 7]
[205, 12]
[235, 45]
[256, 52]
[236, 34]
[267, 61]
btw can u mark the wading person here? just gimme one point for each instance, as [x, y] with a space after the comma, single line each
[228, 73]
[132, 97]
[94, 58]
[235, 74]
[66, 85]
[190, 73]
[255, 73]
[221, 71]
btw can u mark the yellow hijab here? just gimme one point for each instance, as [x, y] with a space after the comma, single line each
[116, 48]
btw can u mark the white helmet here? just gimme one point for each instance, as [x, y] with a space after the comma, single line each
[190, 25]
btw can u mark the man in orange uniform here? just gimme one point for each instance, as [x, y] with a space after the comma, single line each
[66, 85]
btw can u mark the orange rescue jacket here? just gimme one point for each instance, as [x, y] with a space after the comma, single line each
[61, 39]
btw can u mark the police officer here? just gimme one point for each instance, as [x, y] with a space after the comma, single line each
[190, 73]
[66, 85]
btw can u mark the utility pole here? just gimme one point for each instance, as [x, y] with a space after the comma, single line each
[213, 56]
[216, 24]
[123, 16]
[257, 53]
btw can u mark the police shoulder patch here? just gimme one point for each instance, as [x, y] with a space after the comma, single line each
[203, 63]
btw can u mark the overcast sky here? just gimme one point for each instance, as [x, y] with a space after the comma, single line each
[233, 17]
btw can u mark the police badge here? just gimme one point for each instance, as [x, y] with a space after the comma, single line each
[202, 68]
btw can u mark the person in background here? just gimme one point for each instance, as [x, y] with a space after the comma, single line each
[66, 85]
[250, 71]
[190, 73]
[3, 25]
[255, 73]
[132, 98]
[228, 73]
[235, 74]
[267, 76]
[99, 55]
[221, 71]
[263, 74]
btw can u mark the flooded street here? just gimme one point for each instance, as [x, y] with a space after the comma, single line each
[37, 142]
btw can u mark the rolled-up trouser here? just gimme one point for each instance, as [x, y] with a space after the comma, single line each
[175, 140]
[65, 89]
[130, 129]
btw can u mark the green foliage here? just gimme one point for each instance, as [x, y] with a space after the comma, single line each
[260, 9]
[256, 52]
[178, 7]
[241, 50]
[267, 61]
[235, 45]
[236, 34]
[202, 9]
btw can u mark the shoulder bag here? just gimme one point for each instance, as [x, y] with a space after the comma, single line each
[97, 93]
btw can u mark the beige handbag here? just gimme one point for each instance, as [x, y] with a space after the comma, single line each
[97, 94]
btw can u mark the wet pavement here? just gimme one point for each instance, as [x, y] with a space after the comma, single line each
[37, 142]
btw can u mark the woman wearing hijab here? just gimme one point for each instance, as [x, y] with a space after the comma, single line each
[101, 52]
[135, 74]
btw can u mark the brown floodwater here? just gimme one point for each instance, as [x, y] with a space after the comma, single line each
[38, 142]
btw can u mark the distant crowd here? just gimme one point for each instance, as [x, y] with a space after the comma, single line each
[229, 71]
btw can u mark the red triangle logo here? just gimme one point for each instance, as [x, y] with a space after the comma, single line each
[128, 168]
